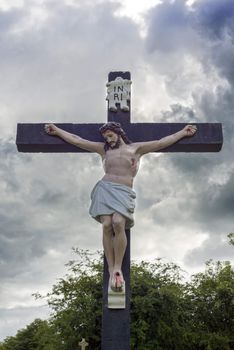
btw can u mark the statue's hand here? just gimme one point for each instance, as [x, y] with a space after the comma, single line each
[189, 130]
[51, 129]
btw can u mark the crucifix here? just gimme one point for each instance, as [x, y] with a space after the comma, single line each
[32, 138]
[83, 344]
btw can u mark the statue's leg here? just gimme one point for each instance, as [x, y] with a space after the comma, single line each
[120, 244]
[108, 235]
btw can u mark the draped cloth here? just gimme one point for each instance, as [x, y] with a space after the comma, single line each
[109, 197]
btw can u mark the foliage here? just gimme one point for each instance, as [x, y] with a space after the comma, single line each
[156, 306]
[39, 335]
[231, 238]
[76, 301]
[212, 296]
[166, 312]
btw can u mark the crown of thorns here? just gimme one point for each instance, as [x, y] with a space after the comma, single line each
[112, 126]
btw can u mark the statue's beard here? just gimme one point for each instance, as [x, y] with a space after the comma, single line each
[116, 144]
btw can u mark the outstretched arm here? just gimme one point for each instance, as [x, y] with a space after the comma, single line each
[157, 145]
[75, 140]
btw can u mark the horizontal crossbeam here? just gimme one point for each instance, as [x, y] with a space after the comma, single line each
[32, 138]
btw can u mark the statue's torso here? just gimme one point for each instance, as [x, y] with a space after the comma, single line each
[121, 165]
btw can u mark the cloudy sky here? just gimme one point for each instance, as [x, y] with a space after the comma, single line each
[54, 60]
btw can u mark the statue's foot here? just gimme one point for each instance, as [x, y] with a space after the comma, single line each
[116, 291]
[117, 281]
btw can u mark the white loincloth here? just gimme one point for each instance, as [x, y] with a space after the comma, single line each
[109, 197]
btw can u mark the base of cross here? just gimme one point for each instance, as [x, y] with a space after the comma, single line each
[116, 300]
[116, 308]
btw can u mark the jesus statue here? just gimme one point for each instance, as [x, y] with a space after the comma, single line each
[113, 199]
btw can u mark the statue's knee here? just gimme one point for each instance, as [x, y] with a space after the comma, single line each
[118, 223]
[107, 226]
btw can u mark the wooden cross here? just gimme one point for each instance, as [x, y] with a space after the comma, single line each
[83, 344]
[32, 138]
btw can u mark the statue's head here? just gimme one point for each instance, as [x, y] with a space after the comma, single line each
[112, 133]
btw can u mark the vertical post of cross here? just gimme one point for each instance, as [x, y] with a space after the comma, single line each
[116, 322]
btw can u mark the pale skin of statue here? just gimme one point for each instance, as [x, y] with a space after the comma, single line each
[120, 166]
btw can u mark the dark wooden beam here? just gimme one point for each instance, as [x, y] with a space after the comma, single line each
[116, 323]
[32, 138]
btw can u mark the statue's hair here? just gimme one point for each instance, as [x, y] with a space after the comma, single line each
[116, 128]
